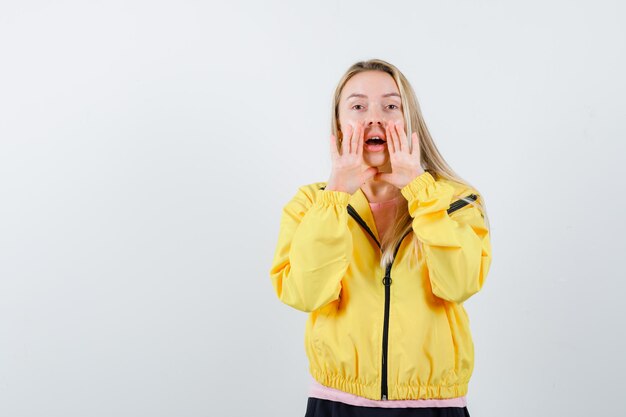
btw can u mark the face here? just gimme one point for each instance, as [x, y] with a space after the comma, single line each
[374, 98]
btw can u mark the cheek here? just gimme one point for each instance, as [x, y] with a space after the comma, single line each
[401, 120]
[345, 121]
[346, 116]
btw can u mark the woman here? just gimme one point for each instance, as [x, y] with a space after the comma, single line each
[382, 257]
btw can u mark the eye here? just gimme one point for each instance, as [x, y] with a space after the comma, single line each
[396, 107]
[356, 105]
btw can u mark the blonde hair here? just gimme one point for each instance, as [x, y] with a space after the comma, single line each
[431, 159]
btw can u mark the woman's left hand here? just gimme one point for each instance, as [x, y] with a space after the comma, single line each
[405, 165]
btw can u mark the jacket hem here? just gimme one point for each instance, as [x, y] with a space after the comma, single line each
[371, 391]
[396, 392]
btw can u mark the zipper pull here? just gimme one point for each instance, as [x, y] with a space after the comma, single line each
[384, 396]
[387, 278]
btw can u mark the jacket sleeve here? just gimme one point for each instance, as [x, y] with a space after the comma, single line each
[314, 249]
[456, 246]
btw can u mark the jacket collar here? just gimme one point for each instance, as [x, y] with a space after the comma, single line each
[361, 205]
[359, 208]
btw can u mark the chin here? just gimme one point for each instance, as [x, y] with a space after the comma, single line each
[376, 161]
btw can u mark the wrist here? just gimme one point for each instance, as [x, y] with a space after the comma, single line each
[331, 186]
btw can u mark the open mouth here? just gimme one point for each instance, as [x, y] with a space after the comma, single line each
[375, 140]
[375, 144]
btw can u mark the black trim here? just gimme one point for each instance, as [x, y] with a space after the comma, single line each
[461, 203]
[352, 211]
[387, 282]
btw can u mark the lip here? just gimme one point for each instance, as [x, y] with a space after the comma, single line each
[376, 148]
[373, 134]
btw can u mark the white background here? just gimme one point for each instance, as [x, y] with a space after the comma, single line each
[147, 148]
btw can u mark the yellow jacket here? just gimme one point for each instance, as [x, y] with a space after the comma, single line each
[394, 333]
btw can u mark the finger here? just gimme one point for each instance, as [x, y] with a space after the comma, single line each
[416, 144]
[394, 137]
[383, 176]
[369, 173]
[398, 131]
[346, 138]
[359, 145]
[390, 147]
[355, 131]
[361, 138]
[355, 137]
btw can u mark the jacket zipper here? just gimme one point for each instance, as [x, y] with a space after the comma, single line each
[387, 283]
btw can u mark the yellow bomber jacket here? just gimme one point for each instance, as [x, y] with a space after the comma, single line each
[392, 333]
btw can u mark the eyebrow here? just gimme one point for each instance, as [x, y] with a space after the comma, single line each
[364, 96]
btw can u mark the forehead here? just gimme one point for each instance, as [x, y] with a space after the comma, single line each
[373, 84]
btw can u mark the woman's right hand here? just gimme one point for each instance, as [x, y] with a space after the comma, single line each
[348, 169]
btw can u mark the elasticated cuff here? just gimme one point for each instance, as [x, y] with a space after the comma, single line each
[333, 197]
[419, 183]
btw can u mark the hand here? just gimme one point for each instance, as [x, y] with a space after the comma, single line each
[405, 165]
[349, 171]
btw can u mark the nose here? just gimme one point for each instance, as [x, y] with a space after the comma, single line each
[374, 122]
[375, 119]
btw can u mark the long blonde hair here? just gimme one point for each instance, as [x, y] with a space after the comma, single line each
[431, 159]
